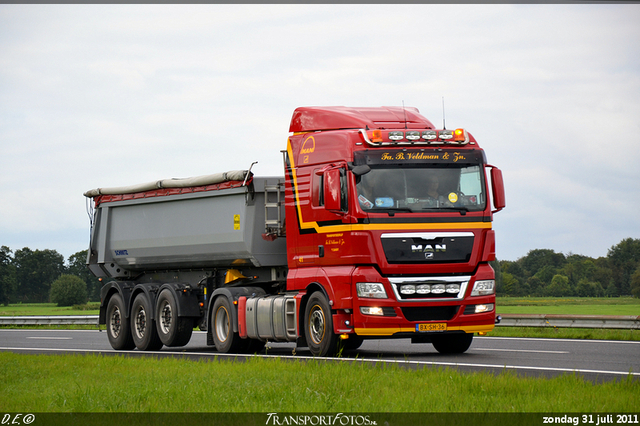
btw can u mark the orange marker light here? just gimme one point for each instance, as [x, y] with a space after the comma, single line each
[459, 135]
[375, 135]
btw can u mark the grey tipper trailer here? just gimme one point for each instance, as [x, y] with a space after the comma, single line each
[216, 228]
[169, 254]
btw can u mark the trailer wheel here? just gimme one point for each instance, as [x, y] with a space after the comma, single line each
[143, 328]
[452, 343]
[222, 328]
[318, 327]
[172, 329]
[118, 329]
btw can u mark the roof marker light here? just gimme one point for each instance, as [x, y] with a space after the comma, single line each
[376, 135]
[460, 135]
[446, 134]
[396, 136]
[429, 135]
[413, 135]
[371, 137]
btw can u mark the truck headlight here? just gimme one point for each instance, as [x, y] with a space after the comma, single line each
[484, 308]
[371, 310]
[371, 290]
[484, 288]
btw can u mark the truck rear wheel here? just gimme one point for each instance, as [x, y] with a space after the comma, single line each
[222, 327]
[452, 343]
[118, 329]
[172, 329]
[143, 328]
[318, 326]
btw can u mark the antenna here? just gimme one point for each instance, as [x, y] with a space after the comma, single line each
[444, 127]
[405, 115]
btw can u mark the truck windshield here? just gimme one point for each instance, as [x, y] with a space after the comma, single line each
[422, 189]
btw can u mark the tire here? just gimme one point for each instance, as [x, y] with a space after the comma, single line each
[224, 338]
[118, 329]
[318, 326]
[143, 327]
[452, 343]
[172, 329]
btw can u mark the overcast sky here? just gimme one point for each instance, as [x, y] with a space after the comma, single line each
[108, 95]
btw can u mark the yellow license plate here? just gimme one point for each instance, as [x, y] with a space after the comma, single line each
[439, 326]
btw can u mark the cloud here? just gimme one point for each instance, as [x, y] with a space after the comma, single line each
[106, 95]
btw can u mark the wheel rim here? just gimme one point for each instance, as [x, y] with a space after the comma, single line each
[115, 324]
[140, 323]
[222, 323]
[316, 324]
[166, 317]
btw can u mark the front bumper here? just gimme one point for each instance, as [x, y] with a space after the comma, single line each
[398, 316]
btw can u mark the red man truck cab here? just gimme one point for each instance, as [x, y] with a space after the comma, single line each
[389, 222]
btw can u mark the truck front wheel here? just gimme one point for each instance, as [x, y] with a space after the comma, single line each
[143, 328]
[118, 329]
[318, 327]
[222, 327]
[172, 329]
[452, 343]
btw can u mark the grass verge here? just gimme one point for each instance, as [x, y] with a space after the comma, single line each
[565, 333]
[95, 383]
[569, 305]
[48, 309]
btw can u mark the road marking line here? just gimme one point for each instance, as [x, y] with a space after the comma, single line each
[358, 360]
[519, 350]
[51, 338]
[551, 339]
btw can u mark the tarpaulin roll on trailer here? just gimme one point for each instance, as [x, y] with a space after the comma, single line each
[235, 175]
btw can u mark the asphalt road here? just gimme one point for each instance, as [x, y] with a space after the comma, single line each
[595, 360]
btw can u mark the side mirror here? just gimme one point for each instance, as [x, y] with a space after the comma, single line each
[497, 187]
[360, 170]
[332, 190]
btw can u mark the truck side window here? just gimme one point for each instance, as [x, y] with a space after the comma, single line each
[317, 189]
[344, 190]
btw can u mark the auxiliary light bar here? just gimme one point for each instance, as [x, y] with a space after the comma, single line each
[415, 137]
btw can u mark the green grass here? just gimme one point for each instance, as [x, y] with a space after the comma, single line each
[568, 305]
[47, 309]
[95, 383]
[565, 333]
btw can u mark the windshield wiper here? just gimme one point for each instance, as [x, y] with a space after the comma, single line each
[463, 210]
[391, 210]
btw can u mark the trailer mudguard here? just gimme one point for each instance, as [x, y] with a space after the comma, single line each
[124, 288]
[186, 299]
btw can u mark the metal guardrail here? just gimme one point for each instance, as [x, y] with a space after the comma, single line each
[50, 320]
[628, 322]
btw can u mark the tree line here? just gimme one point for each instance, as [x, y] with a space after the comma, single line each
[27, 275]
[544, 272]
